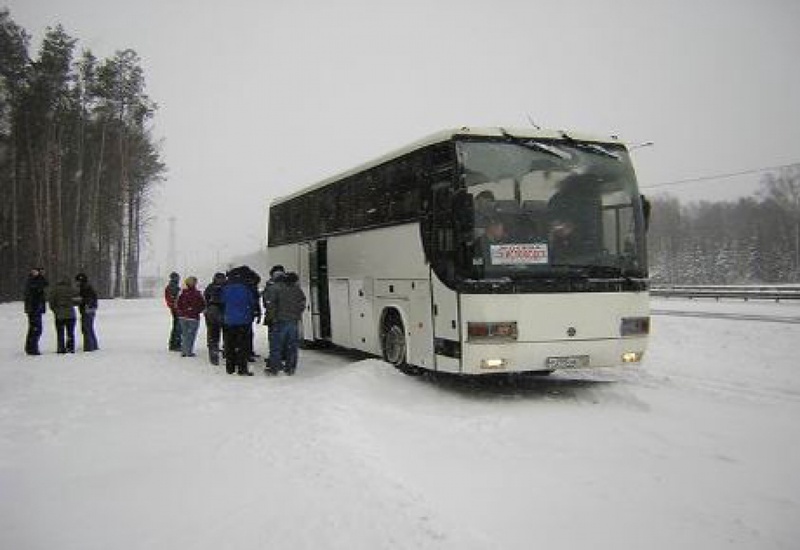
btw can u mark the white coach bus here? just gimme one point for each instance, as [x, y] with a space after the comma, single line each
[475, 251]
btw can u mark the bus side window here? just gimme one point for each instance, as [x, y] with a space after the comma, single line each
[368, 204]
[327, 209]
[402, 192]
[277, 227]
[342, 197]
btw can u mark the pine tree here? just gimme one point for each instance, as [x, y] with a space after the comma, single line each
[14, 68]
[77, 161]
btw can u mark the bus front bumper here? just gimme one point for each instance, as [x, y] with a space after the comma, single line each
[487, 358]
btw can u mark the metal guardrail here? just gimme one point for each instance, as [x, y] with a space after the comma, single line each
[737, 292]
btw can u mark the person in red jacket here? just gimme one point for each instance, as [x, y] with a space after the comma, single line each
[171, 292]
[189, 305]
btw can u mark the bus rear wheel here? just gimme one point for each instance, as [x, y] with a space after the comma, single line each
[394, 346]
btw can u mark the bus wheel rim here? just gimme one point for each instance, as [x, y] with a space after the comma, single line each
[395, 345]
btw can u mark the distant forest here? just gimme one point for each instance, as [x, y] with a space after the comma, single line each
[754, 240]
[77, 162]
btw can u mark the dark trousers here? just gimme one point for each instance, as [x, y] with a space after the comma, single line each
[213, 333]
[237, 348]
[251, 336]
[283, 343]
[34, 333]
[65, 335]
[175, 334]
[87, 330]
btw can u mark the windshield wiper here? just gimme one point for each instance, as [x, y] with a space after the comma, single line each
[591, 147]
[600, 150]
[536, 146]
[544, 148]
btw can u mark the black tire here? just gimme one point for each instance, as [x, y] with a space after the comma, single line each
[394, 346]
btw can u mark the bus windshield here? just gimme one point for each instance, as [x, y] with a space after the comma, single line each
[537, 208]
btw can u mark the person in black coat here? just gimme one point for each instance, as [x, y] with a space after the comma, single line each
[88, 309]
[35, 307]
[285, 312]
[213, 315]
[63, 297]
[252, 280]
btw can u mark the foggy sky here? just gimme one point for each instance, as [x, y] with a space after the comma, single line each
[258, 99]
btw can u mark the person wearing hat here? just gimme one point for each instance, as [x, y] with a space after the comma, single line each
[171, 292]
[213, 316]
[35, 307]
[268, 296]
[63, 297]
[239, 306]
[88, 309]
[286, 311]
[189, 305]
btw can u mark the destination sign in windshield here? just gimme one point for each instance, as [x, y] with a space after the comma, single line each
[519, 254]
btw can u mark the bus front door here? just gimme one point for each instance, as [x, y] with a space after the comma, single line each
[318, 287]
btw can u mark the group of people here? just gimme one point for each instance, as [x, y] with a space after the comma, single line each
[231, 304]
[63, 298]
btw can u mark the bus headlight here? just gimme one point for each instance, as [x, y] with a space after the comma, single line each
[504, 330]
[632, 356]
[634, 326]
[493, 364]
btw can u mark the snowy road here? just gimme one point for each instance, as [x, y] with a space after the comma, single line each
[136, 448]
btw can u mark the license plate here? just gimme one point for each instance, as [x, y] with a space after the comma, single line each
[569, 362]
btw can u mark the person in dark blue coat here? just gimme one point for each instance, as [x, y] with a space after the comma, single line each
[213, 316]
[239, 305]
[35, 307]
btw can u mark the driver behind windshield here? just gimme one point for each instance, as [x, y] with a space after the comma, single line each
[574, 213]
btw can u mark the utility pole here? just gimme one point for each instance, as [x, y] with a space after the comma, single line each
[171, 251]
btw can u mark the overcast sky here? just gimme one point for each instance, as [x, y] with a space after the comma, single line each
[260, 98]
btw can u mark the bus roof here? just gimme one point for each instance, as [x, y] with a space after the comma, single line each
[446, 135]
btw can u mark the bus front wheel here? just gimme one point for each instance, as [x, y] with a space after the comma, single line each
[394, 346]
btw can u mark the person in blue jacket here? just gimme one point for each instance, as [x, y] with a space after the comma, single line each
[239, 305]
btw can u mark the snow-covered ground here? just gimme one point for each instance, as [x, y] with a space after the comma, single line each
[137, 448]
